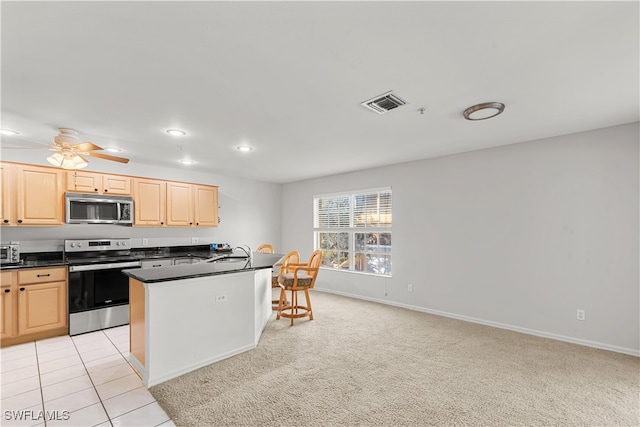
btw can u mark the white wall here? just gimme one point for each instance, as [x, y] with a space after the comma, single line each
[519, 236]
[249, 211]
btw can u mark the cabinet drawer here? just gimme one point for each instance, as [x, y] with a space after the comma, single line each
[42, 275]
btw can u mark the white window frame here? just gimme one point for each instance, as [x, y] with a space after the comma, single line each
[352, 229]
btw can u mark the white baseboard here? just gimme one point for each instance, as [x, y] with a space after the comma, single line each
[587, 343]
[178, 372]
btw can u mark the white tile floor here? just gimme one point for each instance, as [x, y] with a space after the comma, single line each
[84, 380]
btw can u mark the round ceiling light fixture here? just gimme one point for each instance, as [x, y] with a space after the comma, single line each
[113, 149]
[244, 148]
[176, 132]
[187, 162]
[483, 111]
[9, 132]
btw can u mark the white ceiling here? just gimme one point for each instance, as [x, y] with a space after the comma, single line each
[288, 77]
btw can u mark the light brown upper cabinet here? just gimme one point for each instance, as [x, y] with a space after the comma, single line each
[38, 193]
[185, 205]
[90, 182]
[7, 200]
[205, 205]
[149, 198]
[179, 204]
[34, 195]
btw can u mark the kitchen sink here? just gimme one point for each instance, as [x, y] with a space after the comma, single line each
[188, 260]
[227, 258]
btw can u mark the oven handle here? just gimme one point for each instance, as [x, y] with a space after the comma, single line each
[94, 267]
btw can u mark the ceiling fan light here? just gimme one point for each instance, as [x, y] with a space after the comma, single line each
[77, 162]
[70, 161]
[56, 159]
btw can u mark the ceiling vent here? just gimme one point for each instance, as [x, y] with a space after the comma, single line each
[383, 103]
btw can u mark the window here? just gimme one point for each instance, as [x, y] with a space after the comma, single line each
[354, 230]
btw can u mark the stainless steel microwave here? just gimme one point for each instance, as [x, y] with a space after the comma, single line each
[98, 209]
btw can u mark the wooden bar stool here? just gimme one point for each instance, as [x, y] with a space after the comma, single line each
[298, 278]
[292, 257]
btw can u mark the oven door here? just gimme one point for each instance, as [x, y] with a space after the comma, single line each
[98, 296]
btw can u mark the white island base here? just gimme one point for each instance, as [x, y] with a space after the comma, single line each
[181, 325]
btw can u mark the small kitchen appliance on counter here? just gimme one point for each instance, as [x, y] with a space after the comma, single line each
[98, 291]
[10, 253]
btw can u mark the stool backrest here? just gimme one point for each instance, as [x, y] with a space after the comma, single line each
[266, 249]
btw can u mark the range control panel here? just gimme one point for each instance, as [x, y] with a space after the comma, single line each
[96, 245]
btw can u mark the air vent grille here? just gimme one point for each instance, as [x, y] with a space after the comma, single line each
[383, 103]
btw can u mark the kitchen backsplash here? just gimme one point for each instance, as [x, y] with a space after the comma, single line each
[47, 239]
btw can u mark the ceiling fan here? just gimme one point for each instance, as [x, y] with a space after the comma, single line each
[70, 152]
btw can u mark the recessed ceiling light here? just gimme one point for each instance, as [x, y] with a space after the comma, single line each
[187, 162]
[483, 111]
[176, 132]
[113, 149]
[9, 132]
[244, 148]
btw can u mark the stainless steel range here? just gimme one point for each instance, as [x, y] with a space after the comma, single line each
[98, 291]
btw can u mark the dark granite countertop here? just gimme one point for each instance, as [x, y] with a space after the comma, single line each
[56, 259]
[202, 269]
[37, 260]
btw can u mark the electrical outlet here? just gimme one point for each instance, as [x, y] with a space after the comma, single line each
[194, 240]
[580, 315]
[145, 242]
[221, 298]
[410, 287]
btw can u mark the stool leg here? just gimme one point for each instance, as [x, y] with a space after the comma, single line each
[306, 294]
[294, 300]
[281, 302]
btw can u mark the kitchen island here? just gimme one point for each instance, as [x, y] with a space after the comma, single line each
[188, 316]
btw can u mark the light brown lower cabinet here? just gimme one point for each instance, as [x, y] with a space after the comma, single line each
[34, 304]
[9, 304]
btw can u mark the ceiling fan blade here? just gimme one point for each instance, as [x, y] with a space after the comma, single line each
[107, 157]
[86, 146]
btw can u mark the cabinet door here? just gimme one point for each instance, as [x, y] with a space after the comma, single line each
[116, 184]
[84, 182]
[149, 202]
[179, 204]
[206, 205]
[7, 213]
[40, 195]
[42, 307]
[8, 305]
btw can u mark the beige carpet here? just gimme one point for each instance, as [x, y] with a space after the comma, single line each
[362, 363]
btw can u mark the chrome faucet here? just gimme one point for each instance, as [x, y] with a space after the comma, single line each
[246, 249]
